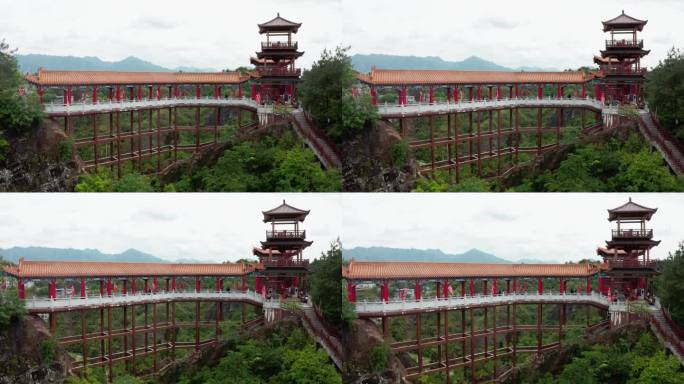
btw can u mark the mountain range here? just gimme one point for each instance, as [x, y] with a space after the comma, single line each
[435, 255]
[44, 253]
[364, 63]
[31, 62]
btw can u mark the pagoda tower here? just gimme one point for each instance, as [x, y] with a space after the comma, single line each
[620, 63]
[628, 269]
[276, 76]
[282, 269]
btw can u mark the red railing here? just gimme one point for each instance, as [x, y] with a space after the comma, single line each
[632, 233]
[623, 71]
[310, 136]
[322, 135]
[631, 264]
[285, 263]
[279, 45]
[624, 44]
[266, 71]
[674, 337]
[285, 234]
[321, 333]
[667, 135]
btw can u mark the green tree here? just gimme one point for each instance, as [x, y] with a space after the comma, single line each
[11, 308]
[325, 92]
[661, 369]
[18, 111]
[669, 285]
[325, 283]
[665, 91]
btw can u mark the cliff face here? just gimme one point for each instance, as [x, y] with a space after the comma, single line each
[39, 161]
[367, 165]
[22, 354]
[360, 341]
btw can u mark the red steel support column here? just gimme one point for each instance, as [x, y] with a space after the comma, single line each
[21, 288]
[417, 291]
[540, 286]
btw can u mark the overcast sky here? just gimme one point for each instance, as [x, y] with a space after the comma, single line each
[552, 226]
[208, 227]
[224, 34]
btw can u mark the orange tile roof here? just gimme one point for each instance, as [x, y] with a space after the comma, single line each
[445, 77]
[60, 269]
[364, 270]
[49, 77]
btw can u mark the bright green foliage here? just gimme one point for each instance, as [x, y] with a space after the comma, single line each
[665, 92]
[48, 351]
[379, 354]
[616, 166]
[279, 358]
[325, 93]
[269, 165]
[103, 182]
[325, 283]
[11, 308]
[440, 181]
[400, 154]
[669, 287]
[17, 112]
[661, 369]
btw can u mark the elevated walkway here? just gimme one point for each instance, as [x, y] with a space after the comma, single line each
[60, 109]
[663, 141]
[316, 140]
[666, 331]
[316, 328]
[65, 304]
[415, 110]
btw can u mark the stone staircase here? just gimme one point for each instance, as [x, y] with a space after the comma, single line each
[325, 150]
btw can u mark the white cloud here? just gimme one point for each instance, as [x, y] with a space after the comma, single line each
[224, 34]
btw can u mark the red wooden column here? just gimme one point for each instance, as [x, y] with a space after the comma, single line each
[150, 96]
[498, 92]
[495, 290]
[484, 287]
[540, 92]
[431, 95]
[124, 282]
[510, 92]
[515, 286]
[216, 92]
[374, 95]
[21, 288]
[446, 288]
[456, 94]
[562, 286]
[133, 286]
[40, 94]
[118, 93]
[257, 284]
[479, 93]
[244, 284]
[588, 285]
[198, 287]
[253, 91]
[463, 288]
[559, 92]
[83, 288]
[155, 286]
[470, 93]
[351, 291]
[173, 284]
[438, 289]
[417, 291]
[109, 287]
[102, 288]
[140, 93]
[218, 289]
[52, 289]
[602, 285]
[159, 98]
[448, 94]
[239, 90]
[540, 286]
[597, 92]
[384, 291]
[472, 287]
[517, 91]
[69, 95]
[508, 281]
[197, 92]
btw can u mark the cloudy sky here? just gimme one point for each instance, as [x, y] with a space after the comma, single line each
[208, 227]
[223, 34]
[552, 227]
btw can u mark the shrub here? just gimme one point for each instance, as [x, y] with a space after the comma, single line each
[379, 355]
[48, 351]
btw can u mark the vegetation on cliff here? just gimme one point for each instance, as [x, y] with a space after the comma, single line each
[665, 92]
[669, 287]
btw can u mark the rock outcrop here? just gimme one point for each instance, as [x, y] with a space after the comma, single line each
[359, 344]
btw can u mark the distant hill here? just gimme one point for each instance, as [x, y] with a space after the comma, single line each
[364, 63]
[435, 255]
[31, 62]
[43, 253]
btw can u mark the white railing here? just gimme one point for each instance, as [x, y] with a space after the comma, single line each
[58, 107]
[66, 303]
[467, 105]
[458, 302]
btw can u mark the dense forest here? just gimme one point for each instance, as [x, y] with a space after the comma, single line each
[665, 92]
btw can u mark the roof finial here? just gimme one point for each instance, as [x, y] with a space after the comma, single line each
[279, 13]
[623, 11]
[283, 201]
[630, 199]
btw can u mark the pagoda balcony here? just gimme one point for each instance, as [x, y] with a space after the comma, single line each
[279, 72]
[632, 233]
[285, 235]
[624, 71]
[285, 263]
[631, 264]
[624, 44]
[268, 45]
